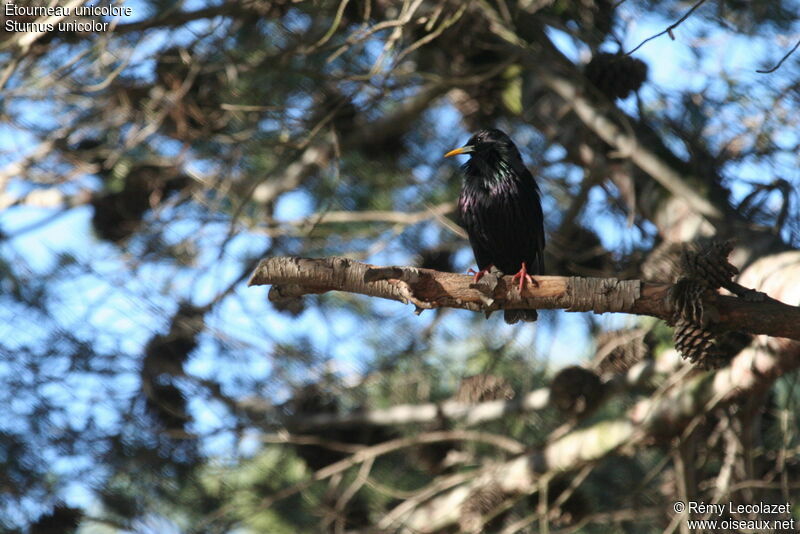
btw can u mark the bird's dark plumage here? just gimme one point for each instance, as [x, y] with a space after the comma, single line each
[501, 210]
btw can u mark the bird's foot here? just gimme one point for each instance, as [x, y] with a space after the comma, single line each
[479, 274]
[485, 282]
[523, 275]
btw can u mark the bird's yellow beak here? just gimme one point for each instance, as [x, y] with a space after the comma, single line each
[461, 150]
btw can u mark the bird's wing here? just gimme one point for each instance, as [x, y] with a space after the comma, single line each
[516, 225]
[471, 211]
[528, 210]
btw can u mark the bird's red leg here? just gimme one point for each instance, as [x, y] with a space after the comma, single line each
[479, 274]
[523, 275]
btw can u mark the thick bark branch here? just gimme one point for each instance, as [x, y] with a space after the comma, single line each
[293, 277]
[402, 414]
[467, 414]
[302, 225]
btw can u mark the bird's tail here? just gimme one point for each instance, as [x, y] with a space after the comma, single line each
[515, 316]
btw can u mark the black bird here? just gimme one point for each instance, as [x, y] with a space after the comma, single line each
[501, 211]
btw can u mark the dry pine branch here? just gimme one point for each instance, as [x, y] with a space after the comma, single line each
[292, 277]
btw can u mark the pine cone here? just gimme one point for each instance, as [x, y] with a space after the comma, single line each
[686, 298]
[167, 353]
[575, 390]
[697, 345]
[616, 75]
[61, 520]
[709, 264]
[480, 502]
[663, 263]
[621, 351]
[293, 306]
[482, 388]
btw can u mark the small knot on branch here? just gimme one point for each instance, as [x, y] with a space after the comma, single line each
[284, 293]
[375, 274]
[486, 286]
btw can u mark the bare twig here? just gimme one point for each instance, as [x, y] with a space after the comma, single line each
[784, 58]
[381, 449]
[285, 437]
[337, 19]
[24, 40]
[449, 21]
[371, 216]
[352, 489]
[669, 28]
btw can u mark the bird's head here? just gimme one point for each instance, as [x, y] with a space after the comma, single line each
[485, 143]
[490, 150]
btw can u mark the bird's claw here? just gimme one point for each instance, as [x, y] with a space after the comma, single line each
[523, 275]
[485, 282]
[479, 274]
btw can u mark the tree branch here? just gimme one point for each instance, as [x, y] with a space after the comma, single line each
[302, 225]
[293, 277]
[669, 28]
[374, 451]
[470, 414]
[784, 58]
[465, 413]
